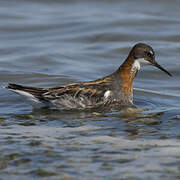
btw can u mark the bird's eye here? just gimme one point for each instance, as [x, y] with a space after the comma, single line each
[150, 54]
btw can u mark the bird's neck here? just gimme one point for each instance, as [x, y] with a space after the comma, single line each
[127, 72]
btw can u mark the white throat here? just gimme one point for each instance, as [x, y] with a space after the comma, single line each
[138, 63]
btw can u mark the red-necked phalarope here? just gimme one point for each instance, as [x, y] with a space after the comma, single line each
[113, 90]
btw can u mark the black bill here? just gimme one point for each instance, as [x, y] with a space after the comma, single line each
[161, 68]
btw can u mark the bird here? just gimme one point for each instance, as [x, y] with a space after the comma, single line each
[113, 90]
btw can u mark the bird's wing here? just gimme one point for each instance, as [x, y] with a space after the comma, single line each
[75, 91]
[76, 95]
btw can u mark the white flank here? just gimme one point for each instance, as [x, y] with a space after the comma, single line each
[107, 94]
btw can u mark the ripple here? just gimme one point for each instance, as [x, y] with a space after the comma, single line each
[50, 43]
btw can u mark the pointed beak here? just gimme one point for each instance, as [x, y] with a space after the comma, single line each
[161, 68]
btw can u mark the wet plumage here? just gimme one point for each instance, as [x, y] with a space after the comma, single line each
[113, 90]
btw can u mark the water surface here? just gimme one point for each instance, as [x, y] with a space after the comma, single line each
[51, 43]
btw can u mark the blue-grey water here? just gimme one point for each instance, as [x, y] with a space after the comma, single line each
[51, 43]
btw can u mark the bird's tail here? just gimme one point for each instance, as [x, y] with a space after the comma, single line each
[31, 90]
[32, 94]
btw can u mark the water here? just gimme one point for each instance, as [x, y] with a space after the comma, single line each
[50, 43]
